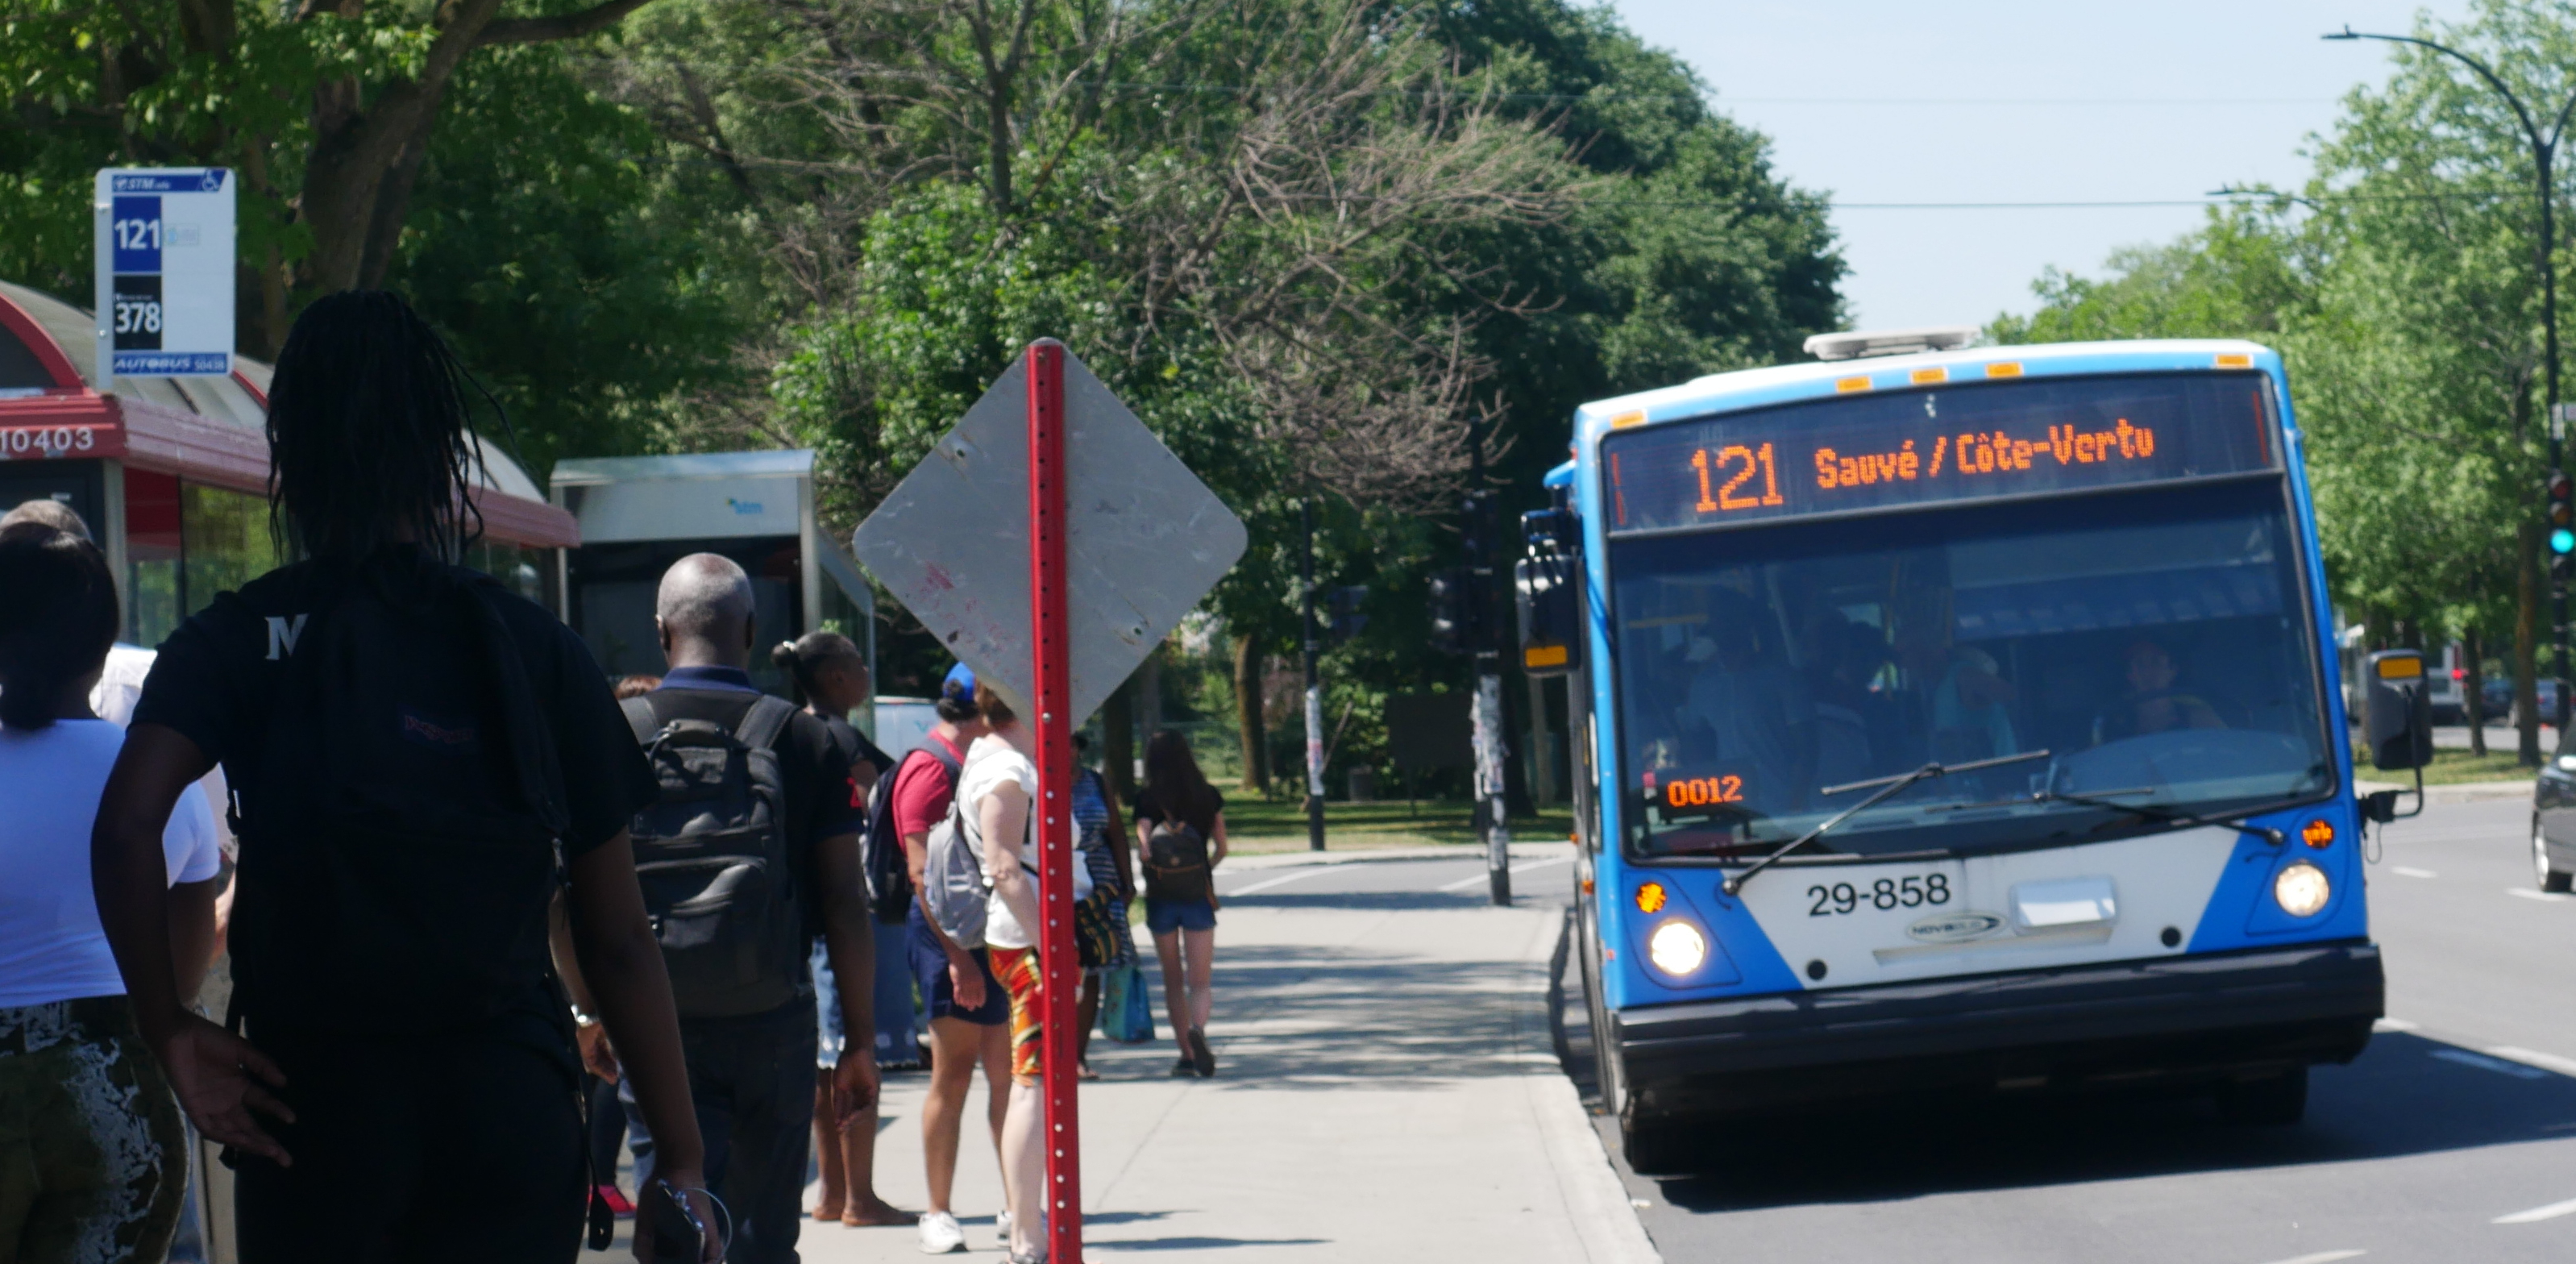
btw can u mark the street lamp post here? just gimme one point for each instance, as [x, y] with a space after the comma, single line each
[2544, 150]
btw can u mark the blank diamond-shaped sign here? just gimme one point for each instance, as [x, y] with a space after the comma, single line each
[1145, 539]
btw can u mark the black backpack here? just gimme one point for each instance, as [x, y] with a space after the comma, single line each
[889, 874]
[402, 840]
[711, 854]
[1176, 863]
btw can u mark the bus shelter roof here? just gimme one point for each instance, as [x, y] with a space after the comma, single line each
[204, 429]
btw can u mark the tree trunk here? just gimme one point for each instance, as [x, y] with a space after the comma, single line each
[2473, 697]
[2526, 646]
[1118, 742]
[1248, 664]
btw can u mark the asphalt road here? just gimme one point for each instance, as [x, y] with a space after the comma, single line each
[2453, 1137]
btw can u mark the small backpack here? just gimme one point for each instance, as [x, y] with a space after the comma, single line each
[1176, 863]
[711, 854]
[881, 850]
[401, 839]
[953, 891]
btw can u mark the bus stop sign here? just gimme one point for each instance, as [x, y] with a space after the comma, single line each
[1144, 540]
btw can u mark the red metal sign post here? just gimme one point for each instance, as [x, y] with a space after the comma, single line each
[1056, 853]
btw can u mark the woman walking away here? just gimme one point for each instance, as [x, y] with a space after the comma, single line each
[1179, 817]
[93, 1159]
[832, 676]
[417, 754]
[994, 792]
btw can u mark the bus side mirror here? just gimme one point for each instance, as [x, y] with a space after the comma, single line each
[2396, 710]
[1546, 596]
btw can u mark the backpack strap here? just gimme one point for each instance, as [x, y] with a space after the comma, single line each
[640, 717]
[762, 724]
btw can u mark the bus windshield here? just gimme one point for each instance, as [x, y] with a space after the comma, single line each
[2154, 642]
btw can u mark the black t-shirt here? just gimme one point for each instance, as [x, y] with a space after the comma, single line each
[218, 674]
[1150, 808]
[813, 770]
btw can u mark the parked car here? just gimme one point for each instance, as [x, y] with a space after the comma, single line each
[2446, 674]
[2497, 692]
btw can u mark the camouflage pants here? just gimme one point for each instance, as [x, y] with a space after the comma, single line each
[93, 1158]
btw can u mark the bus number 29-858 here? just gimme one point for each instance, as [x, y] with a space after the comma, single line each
[1886, 893]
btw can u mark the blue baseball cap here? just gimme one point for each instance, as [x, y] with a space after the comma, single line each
[960, 683]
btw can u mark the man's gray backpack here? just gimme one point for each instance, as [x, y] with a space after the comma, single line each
[711, 853]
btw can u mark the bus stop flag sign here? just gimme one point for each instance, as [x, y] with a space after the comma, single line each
[165, 272]
[1144, 539]
[1051, 541]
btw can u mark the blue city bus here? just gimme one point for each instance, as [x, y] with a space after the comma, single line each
[1956, 719]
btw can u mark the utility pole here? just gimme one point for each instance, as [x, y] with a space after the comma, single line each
[2544, 152]
[1314, 686]
[1485, 642]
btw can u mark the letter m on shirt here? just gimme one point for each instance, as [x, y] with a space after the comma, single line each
[282, 633]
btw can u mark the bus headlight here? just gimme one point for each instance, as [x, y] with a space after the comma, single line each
[1677, 948]
[2301, 890]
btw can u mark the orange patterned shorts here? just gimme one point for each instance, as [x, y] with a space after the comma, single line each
[1017, 968]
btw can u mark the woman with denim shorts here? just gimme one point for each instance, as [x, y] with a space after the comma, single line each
[1184, 927]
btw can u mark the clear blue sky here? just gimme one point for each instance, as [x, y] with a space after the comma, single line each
[1872, 101]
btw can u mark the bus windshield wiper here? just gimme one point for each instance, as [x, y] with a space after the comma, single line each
[2149, 811]
[1890, 787]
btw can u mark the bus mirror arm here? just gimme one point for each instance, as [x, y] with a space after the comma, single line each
[2380, 806]
[1889, 787]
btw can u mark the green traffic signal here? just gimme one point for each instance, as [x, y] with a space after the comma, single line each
[2562, 541]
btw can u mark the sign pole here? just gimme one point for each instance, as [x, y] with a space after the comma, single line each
[1060, 969]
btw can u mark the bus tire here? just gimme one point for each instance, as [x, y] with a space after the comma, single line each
[2272, 1101]
[1653, 1147]
[2551, 878]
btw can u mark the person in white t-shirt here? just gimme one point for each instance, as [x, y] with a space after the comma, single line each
[994, 791]
[91, 1145]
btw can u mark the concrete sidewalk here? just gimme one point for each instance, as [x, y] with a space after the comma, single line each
[1386, 1091]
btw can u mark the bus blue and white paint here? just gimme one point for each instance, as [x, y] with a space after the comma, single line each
[1961, 718]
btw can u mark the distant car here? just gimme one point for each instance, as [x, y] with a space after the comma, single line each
[2497, 693]
[2448, 680]
[2553, 819]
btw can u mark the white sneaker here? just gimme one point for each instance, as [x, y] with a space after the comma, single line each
[1002, 1227]
[940, 1234]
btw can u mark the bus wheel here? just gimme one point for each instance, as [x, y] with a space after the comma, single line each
[1653, 1147]
[2551, 878]
[2272, 1101]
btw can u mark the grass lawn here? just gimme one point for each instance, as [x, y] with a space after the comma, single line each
[1254, 826]
[2453, 767]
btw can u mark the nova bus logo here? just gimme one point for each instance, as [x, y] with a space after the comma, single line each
[1953, 928]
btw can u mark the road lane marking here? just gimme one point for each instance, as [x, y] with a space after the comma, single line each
[2485, 1063]
[2545, 1061]
[1464, 883]
[2404, 871]
[2322, 1257]
[2393, 1024]
[1280, 881]
[2537, 1214]
[2543, 896]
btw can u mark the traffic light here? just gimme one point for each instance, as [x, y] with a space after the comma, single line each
[2562, 524]
[1344, 605]
[1453, 611]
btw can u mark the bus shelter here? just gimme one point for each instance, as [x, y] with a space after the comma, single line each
[639, 514]
[171, 473]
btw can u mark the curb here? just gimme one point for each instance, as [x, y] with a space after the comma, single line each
[1604, 1219]
[2457, 792]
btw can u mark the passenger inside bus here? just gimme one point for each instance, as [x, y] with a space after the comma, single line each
[1957, 691]
[2152, 705]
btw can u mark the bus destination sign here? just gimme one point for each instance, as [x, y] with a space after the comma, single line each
[1959, 442]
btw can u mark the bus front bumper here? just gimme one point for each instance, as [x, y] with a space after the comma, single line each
[2180, 1018]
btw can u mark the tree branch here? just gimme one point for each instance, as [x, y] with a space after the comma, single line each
[590, 21]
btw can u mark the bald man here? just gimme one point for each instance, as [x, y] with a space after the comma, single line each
[753, 1075]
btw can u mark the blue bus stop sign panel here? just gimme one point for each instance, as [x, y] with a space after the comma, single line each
[165, 272]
